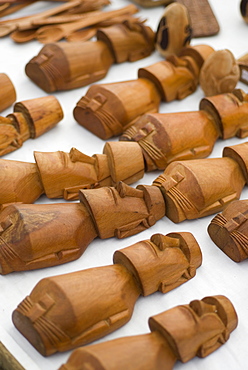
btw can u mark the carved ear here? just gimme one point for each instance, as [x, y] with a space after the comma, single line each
[164, 241]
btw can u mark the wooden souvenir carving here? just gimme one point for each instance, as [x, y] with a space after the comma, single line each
[198, 188]
[202, 18]
[180, 333]
[29, 233]
[108, 109]
[154, 141]
[244, 10]
[65, 66]
[243, 67]
[219, 73]
[186, 190]
[31, 118]
[229, 230]
[161, 263]
[174, 30]
[8, 93]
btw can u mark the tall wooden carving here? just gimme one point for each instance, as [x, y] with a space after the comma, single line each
[181, 333]
[69, 65]
[109, 293]
[108, 109]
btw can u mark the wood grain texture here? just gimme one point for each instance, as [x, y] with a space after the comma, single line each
[31, 118]
[181, 333]
[108, 109]
[69, 65]
[109, 293]
[8, 93]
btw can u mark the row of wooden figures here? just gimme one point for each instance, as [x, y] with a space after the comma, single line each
[152, 143]
[186, 190]
[54, 319]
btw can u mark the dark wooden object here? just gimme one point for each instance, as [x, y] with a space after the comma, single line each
[181, 333]
[8, 93]
[229, 230]
[31, 119]
[202, 18]
[109, 293]
[155, 141]
[243, 67]
[65, 66]
[244, 10]
[108, 109]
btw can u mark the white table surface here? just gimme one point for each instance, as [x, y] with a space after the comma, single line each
[217, 275]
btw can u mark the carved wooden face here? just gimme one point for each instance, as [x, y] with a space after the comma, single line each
[174, 31]
[197, 329]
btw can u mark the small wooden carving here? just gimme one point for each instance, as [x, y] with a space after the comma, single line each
[8, 93]
[198, 188]
[65, 66]
[220, 73]
[161, 263]
[181, 333]
[31, 118]
[154, 141]
[244, 10]
[29, 233]
[108, 109]
[174, 30]
[243, 67]
[229, 230]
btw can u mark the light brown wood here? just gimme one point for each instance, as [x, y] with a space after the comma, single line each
[48, 34]
[229, 230]
[108, 109]
[198, 188]
[162, 263]
[244, 10]
[220, 73]
[8, 93]
[29, 233]
[174, 30]
[180, 333]
[152, 143]
[65, 66]
[31, 118]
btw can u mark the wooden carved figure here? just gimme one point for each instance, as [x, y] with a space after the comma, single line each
[186, 190]
[167, 137]
[8, 93]
[31, 118]
[83, 306]
[244, 10]
[108, 109]
[220, 73]
[201, 187]
[178, 334]
[174, 30]
[30, 237]
[69, 65]
[153, 142]
[229, 230]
